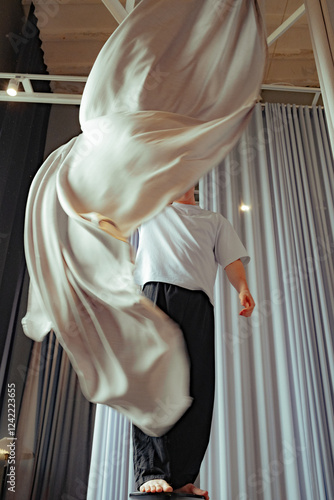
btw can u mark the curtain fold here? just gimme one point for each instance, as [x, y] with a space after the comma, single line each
[23, 131]
[273, 426]
[111, 472]
[272, 433]
[55, 429]
[53, 420]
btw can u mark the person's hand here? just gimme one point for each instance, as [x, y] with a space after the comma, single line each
[247, 301]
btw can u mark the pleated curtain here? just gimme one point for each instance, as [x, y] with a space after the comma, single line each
[272, 433]
[111, 470]
[54, 430]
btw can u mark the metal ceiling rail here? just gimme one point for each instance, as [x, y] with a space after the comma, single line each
[286, 25]
[290, 88]
[28, 94]
[42, 98]
[130, 5]
[120, 13]
[36, 76]
[116, 9]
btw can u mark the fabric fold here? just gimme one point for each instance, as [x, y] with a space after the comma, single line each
[166, 100]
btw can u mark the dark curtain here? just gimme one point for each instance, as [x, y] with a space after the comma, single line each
[54, 422]
[55, 429]
[22, 138]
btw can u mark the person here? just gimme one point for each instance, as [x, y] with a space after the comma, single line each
[176, 263]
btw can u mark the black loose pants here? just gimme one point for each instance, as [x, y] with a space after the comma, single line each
[177, 456]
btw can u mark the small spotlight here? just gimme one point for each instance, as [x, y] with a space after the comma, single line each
[245, 208]
[13, 87]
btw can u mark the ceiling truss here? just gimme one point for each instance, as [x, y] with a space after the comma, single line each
[27, 94]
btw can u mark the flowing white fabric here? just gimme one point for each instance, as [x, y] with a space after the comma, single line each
[167, 98]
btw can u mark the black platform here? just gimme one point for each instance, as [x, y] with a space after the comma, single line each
[165, 496]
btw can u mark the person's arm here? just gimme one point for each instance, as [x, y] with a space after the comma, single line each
[237, 277]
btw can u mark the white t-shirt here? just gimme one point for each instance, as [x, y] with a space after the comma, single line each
[183, 245]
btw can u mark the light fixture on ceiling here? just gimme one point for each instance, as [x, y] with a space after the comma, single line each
[245, 208]
[13, 86]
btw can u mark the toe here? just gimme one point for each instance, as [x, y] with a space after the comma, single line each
[155, 486]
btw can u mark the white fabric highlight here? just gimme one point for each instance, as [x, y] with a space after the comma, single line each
[167, 98]
[167, 253]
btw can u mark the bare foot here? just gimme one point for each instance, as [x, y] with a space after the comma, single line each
[190, 488]
[155, 486]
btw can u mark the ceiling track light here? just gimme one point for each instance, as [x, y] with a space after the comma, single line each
[13, 87]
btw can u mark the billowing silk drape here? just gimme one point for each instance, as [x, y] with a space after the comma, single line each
[167, 98]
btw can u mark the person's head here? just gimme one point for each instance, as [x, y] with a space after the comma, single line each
[188, 197]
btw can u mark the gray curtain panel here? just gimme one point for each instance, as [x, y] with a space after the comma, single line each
[272, 434]
[55, 429]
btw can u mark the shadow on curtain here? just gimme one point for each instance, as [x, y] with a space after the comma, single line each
[273, 434]
[54, 434]
[22, 138]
